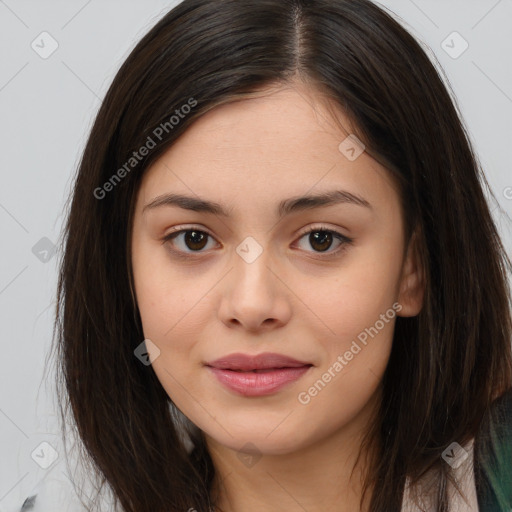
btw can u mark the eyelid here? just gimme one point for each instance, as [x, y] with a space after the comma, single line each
[320, 227]
[345, 240]
[188, 227]
[302, 232]
[176, 230]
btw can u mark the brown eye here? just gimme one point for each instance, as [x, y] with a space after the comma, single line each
[195, 240]
[188, 240]
[320, 240]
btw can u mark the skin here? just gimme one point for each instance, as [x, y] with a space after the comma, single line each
[293, 299]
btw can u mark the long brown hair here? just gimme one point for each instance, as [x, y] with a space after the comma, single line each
[447, 364]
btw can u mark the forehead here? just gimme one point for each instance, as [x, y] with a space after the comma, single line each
[295, 116]
[253, 152]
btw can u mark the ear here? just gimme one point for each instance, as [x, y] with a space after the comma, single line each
[412, 280]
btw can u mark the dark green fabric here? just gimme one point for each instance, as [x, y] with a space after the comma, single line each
[493, 457]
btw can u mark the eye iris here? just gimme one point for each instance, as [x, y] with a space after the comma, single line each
[323, 238]
[319, 240]
[195, 240]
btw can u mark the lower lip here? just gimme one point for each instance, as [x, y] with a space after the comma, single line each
[258, 384]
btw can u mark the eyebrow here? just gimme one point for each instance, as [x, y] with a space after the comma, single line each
[285, 207]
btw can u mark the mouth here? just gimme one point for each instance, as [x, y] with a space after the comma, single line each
[265, 370]
[259, 363]
[260, 375]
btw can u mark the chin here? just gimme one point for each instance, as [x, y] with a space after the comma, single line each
[262, 437]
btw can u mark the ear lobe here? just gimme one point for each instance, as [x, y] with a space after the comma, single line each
[412, 281]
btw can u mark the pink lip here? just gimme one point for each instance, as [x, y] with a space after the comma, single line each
[273, 372]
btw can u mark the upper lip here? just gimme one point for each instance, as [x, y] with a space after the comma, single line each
[257, 362]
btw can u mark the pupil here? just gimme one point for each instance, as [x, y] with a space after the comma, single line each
[320, 240]
[195, 240]
[323, 238]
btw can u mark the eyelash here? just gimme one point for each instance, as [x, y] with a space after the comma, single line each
[345, 241]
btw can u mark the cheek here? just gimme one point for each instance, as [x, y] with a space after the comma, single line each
[173, 321]
[163, 297]
[174, 315]
[357, 308]
[353, 299]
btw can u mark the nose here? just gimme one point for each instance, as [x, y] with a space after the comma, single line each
[255, 297]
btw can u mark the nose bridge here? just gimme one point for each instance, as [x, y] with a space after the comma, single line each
[254, 296]
[252, 263]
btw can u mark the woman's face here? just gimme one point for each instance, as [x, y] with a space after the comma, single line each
[254, 281]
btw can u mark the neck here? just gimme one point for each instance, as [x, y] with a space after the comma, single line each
[324, 476]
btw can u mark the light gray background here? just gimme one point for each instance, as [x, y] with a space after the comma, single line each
[47, 107]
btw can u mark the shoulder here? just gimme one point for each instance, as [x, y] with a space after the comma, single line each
[421, 497]
[493, 456]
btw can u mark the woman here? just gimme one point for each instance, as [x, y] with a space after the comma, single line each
[282, 286]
